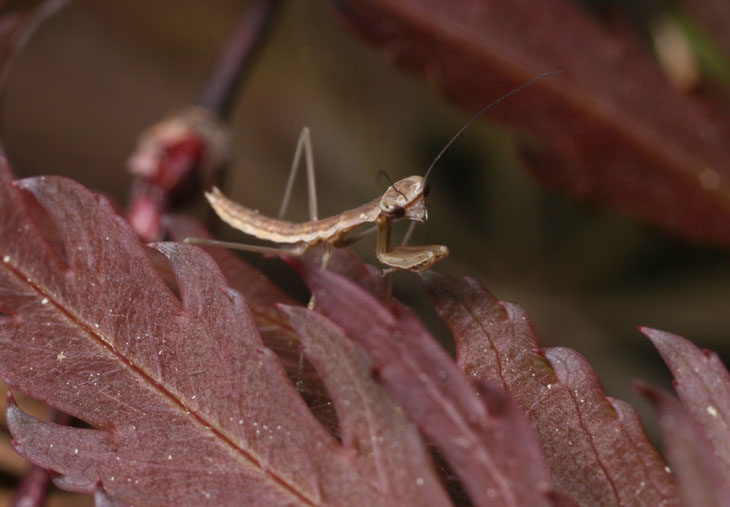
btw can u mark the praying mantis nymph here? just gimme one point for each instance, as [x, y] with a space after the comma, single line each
[403, 199]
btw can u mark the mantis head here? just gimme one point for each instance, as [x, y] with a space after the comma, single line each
[406, 199]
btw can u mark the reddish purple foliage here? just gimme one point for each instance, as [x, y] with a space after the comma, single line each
[180, 390]
[702, 383]
[187, 404]
[693, 461]
[368, 416]
[595, 446]
[173, 369]
[502, 456]
[715, 17]
[34, 487]
[612, 127]
[18, 22]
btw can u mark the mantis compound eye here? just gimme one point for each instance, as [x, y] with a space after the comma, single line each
[395, 212]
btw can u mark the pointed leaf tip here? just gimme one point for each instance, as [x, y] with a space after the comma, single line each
[184, 384]
[13, 414]
[102, 498]
[643, 389]
[656, 334]
[27, 183]
[581, 430]
[701, 477]
[702, 382]
[403, 468]
[416, 371]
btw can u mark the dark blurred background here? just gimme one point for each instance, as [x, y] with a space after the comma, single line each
[95, 75]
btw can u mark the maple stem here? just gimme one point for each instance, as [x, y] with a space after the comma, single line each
[237, 56]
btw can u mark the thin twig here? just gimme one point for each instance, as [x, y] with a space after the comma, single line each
[237, 57]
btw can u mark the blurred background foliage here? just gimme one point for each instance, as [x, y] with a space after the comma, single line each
[98, 73]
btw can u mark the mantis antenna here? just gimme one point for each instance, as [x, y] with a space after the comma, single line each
[484, 110]
[458, 134]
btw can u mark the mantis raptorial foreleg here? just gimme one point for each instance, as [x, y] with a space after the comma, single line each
[407, 258]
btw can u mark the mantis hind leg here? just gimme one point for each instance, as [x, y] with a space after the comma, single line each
[326, 256]
[304, 147]
[328, 250]
[295, 250]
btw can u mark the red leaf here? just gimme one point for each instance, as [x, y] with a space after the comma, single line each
[502, 455]
[261, 294]
[715, 17]
[368, 418]
[690, 454]
[703, 384]
[33, 489]
[262, 297]
[345, 263]
[595, 446]
[102, 499]
[18, 22]
[614, 129]
[189, 406]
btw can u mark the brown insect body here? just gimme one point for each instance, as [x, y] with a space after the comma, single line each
[276, 230]
[404, 199]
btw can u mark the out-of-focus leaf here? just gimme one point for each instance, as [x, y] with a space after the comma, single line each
[613, 129]
[688, 451]
[33, 489]
[715, 17]
[102, 499]
[189, 406]
[344, 262]
[487, 442]
[703, 384]
[369, 415]
[18, 21]
[595, 446]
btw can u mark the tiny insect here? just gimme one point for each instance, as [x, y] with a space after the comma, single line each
[404, 199]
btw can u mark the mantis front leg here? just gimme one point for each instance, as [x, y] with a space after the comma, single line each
[417, 258]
